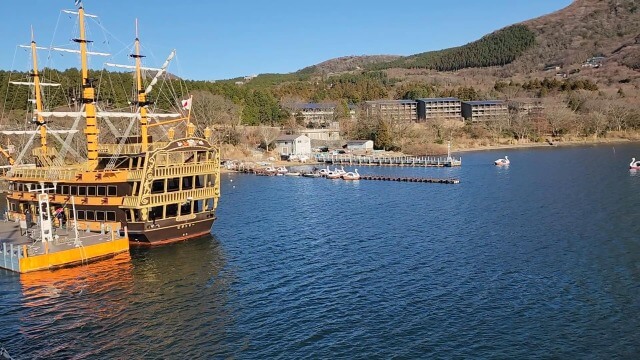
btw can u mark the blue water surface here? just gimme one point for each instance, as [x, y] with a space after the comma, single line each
[540, 259]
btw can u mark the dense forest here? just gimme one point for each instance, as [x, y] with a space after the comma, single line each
[496, 49]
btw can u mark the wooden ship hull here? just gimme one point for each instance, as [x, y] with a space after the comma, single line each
[169, 194]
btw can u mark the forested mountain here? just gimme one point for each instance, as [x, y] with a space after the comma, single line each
[498, 48]
[584, 29]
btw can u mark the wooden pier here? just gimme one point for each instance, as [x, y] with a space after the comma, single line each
[363, 160]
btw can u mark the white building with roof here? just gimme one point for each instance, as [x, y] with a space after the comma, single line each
[293, 145]
[360, 145]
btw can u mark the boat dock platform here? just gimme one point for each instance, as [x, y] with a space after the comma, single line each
[410, 179]
[22, 252]
[425, 161]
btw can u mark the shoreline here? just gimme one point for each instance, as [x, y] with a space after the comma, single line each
[557, 144]
[544, 145]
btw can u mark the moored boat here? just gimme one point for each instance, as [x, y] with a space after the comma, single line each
[147, 172]
[351, 175]
[634, 165]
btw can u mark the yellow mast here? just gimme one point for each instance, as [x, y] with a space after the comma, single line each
[36, 82]
[88, 98]
[142, 97]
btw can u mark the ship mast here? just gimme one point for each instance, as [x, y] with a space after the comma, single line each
[38, 97]
[88, 98]
[142, 96]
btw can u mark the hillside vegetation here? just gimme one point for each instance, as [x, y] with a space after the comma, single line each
[498, 48]
[507, 64]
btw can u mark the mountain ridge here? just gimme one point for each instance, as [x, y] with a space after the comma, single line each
[571, 35]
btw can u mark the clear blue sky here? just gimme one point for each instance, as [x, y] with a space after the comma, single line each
[225, 39]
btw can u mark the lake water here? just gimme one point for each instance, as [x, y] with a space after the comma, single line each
[540, 259]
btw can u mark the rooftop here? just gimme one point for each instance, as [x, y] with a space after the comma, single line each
[485, 102]
[288, 137]
[391, 102]
[438, 99]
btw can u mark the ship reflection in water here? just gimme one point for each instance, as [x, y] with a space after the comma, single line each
[123, 303]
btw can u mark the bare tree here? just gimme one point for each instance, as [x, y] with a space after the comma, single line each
[211, 110]
[597, 123]
[561, 119]
[521, 125]
[268, 134]
[618, 115]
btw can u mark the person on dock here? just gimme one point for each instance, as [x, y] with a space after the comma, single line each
[28, 218]
[62, 217]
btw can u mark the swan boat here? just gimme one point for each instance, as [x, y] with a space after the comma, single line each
[351, 175]
[634, 165]
[501, 162]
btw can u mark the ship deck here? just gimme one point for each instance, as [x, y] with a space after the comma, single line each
[21, 251]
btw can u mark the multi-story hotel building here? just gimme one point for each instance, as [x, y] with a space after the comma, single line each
[396, 110]
[484, 110]
[439, 108]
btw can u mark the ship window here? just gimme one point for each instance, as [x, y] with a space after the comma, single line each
[187, 182]
[65, 190]
[100, 215]
[136, 215]
[172, 210]
[197, 206]
[111, 215]
[73, 190]
[185, 208]
[173, 184]
[90, 215]
[127, 214]
[155, 213]
[14, 207]
[102, 190]
[112, 190]
[82, 190]
[157, 186]
[80, 214]
[91, 190]
[199, 181]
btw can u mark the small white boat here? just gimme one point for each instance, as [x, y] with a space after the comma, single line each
[501, 162]
[634, 165]
[340, 171]
[351, 175]
[292, 173]
[270, 170]
[282, 170]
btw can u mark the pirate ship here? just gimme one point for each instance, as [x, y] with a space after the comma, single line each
[151, 173]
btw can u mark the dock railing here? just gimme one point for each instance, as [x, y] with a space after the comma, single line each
[10, 257]
[349, 159]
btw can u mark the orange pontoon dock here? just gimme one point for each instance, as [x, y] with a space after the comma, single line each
[22, 252]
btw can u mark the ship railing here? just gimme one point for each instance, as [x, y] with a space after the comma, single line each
[44, 173]
[174, 197]
[186, 169]
[134, 174]
[128, 148]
